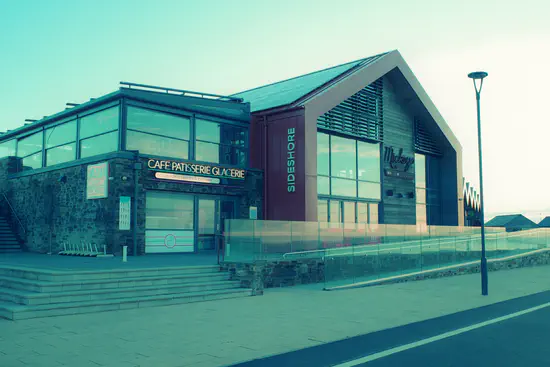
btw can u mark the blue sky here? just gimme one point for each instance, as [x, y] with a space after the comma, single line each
[54, 52]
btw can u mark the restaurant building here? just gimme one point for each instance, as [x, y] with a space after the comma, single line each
[159, 169]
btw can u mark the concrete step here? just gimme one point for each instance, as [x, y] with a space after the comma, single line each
[35, 298]
[13, 311]
[9, 250]
[9, 246]
[8, 242]
[114, 274]
[130, 282]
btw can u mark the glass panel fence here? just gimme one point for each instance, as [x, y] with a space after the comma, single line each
[357, 252]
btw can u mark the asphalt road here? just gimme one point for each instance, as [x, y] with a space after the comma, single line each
[520, 341]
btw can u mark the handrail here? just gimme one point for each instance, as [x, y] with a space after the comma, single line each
[14, 213]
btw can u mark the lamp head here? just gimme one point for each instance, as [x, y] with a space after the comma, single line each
[478, 75]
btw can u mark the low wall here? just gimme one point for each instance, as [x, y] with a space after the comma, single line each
[263, 274]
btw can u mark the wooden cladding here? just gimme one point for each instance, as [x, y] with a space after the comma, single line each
[423, 141]
[361, 115]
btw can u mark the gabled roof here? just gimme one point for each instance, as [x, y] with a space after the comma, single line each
[545, 222]
[511, 220]
[291, 90]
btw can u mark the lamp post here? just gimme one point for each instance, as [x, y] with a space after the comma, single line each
[480, 75]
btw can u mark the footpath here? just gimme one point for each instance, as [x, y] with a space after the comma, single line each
[224, 332]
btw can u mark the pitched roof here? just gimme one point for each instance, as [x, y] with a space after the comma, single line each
[291, 90]
[511, 220]
[545, 222]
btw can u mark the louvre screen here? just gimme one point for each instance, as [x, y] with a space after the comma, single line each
[361, 115]
[423, 141]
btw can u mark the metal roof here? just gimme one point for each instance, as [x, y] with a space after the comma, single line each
[291, 90]
[511, 220]
[545, 222]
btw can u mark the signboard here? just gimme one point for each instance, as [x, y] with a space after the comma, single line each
[253, 212]
[291, 160]
[399, 174]
[97, 181]
[124, 213]
[196, 169]
[397, 161]
[176, 177]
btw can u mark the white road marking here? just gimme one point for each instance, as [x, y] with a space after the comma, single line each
[449, 334]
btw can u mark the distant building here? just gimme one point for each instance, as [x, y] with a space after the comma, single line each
[512, 222]
[545, 222]
[472, 206]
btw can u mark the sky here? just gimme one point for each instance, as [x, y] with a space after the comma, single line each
[53, 52]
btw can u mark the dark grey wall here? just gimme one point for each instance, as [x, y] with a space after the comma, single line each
[398, 133]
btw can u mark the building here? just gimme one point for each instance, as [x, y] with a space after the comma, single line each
[512, 222]
[545, 222]
[472, 206]
[159, 169]
[359, 142]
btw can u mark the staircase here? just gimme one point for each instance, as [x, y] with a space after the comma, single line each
[30, 293]
[8, 240]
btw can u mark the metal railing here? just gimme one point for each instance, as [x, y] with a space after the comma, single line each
[13, 212]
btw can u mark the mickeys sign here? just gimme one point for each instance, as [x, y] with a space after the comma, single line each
[196, 169]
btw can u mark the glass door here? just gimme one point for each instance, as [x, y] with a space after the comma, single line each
[226, 211]
[206, 233]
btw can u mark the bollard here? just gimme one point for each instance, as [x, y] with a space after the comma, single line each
[124, 254]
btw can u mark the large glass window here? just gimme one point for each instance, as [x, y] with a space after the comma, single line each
[100, 144]
[351, 168]
[420, 180]
[7, 148]
[220, 143]
[349, 211]
[99, 132]
[166, 210]
[335, 211]
[322, 210]
[343, 157]
[323, 152]
[30, 149]
[157, 133]
[99, 123]
[61, 143]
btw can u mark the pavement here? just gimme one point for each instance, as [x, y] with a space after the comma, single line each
[226, 332]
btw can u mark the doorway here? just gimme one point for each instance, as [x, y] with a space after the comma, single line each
[212, 212]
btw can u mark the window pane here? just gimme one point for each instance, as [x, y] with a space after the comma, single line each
[61, 134]
[362, 212]
[207, 212]
[99, 145]
[63, 153]
[99, 122]
[368, 156]
[343, 187]
[207, 152]
[157, 145]
[343, 156]
[232, 155]
[335, 211]
[432, 197]
[420, 170]
[158, 123]
[373, 208]
[207, 131]
[32, 162]
[233, 135]
[322, 210]
[349, 212]
[369, 190]
[432, 173]
[323, 185]
[166, 210]
[7, 148]
[30, 144]
[322, 154]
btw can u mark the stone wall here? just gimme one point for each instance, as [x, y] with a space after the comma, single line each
[56, 211]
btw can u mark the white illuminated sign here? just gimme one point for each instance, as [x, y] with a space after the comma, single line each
[124, 213]
[174, 177]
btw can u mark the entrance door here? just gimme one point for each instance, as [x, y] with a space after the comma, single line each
[212, 213]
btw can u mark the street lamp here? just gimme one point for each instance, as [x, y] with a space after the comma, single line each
[480, 75]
